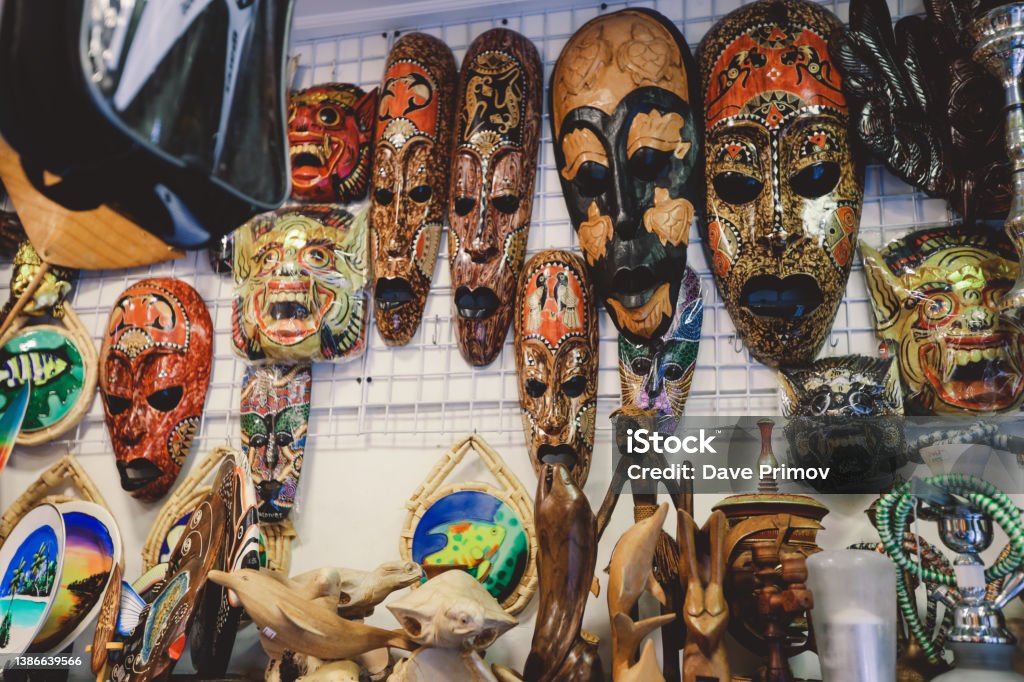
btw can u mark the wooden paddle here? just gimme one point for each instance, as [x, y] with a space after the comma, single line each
[96, 239]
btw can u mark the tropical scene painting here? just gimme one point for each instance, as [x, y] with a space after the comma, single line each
[29, 579]
[478, 533]
[88, 559]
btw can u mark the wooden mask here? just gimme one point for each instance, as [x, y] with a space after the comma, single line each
[275, 420]
[657, 375]
[301, 274]
[154, 372]
[784, 191]
[330, 138]
[845, 413]
[410, 180]
[924, 107]
[556, 361]
[936, 293]
[491, 192]
[627, 145]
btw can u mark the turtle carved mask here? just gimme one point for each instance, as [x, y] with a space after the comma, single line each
[410, 180]
[627, 145]
[784, 192]
[330, 134]
[301, 275]
[494, 161]
[556, 361]
[275, 421]
[936, 293]
[154, 372]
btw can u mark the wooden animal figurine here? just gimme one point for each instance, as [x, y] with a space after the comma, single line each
[556, 345]
[494, 161]
[409, 182]
[629, 575]
[567, 538]
[293, 667]
[705, 609]
[357, 592]
[287, 621]
[625, 109]
[784, 189]
[454, 618]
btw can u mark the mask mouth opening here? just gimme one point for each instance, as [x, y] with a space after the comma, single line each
[558, 454]
[137, 473]
[633, 287]
[476, 304]
[794, 297]
[392, 292]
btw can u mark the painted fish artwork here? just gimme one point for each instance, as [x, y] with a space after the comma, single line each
[10, 423]
[31, 561]
[91, 549]
[478, 533]
[52, 364]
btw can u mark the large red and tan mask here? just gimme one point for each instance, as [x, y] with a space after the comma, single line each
[154, 372]
[330, 135]
[628, 150]
[783, 189]
[301, 275]
[936, 296]
[491, 192]
[410, 180]
[556, 361]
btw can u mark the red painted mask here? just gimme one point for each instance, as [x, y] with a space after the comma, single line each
[154, 372]
[491, 193]
[330, 128]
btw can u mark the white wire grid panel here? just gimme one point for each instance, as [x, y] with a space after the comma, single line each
[399, 396]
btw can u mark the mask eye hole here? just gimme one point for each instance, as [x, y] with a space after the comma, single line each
[258, 440]
[816, 180]
[820, 403]
[591, 179]
[283, 439]
[673, 372]
[116, 404]
[649, 164]
[737, 188]
[861, 403]
[464, 205]
[383, 196]
[506, 203]
[328, 116]
[534, 388]
[641, 365]
[420, 194]
[165, 399]
[574, 387]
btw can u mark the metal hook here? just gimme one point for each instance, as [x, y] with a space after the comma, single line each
[833, 340]
[737, 344]
[437, 325]
[334, 70]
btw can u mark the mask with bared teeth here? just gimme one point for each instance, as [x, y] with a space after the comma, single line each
[330, 129]
[301, 275]
[936, 293]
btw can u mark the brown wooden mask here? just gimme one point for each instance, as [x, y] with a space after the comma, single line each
[784, 192]
[628, 152]
[491, 193]
[556, 361]
[410, 180]
[154, 372]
